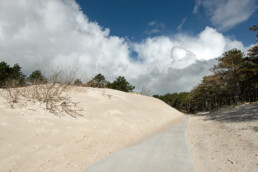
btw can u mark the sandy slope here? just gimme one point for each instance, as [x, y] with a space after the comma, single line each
[226, 140]
[32, 139]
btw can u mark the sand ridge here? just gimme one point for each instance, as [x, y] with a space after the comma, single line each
[32, 139]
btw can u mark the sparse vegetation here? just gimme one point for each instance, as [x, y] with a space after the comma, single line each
[53, 95]
[53, 92]
[145, 91]
[12, 93]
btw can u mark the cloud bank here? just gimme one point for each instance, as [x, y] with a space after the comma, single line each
[51, 34]
[225, 14]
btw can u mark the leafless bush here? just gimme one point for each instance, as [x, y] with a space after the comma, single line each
[145, 91]
[54, 95]
[12, 94]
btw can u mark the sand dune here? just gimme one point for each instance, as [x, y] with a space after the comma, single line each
[33, 139]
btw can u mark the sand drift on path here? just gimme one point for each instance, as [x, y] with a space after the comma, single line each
[32, 139]
[225, 140]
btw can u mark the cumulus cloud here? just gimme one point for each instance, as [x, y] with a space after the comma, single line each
[56, 33]
[225, 14]
[175, 80]
[178, 63]
[166, 51]
[51, 34]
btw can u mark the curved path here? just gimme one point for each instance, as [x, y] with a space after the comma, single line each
[165, 152]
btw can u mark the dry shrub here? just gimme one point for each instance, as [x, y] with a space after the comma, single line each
[145, 91]
[54, 95]
[12, 93]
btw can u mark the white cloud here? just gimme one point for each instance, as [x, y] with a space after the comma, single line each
[56, 33]
[181, 57]
[51, 34]
[225, 14]
[209, 44]
[178, 63]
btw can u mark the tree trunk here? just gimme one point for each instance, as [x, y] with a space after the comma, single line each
[237, 93]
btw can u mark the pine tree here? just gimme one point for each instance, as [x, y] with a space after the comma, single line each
[121, 84]
[37, 77]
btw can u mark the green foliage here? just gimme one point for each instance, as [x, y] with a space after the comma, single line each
[229, 70]
[176, 100]
[254, 28]
[8, 74]
[77, 82]
[121, 84]
[98, 81]
[36, 77]
[234, 80]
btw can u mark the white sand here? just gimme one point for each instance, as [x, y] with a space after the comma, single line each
[32, 139]
[223, 146]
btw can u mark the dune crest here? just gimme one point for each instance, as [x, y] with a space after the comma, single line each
[33, 139]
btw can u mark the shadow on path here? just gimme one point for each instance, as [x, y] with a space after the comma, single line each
[241, 113]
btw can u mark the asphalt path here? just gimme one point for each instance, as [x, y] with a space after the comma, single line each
[167, 151]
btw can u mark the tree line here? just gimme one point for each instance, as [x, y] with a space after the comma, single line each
[99, 81]
[9, 74]
[234, 79]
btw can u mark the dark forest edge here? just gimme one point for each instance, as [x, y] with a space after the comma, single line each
[14, 76]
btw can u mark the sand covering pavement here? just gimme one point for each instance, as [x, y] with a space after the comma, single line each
[225, 140]
[32, 139]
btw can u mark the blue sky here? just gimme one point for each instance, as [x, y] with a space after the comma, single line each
[132, 18]
[160, 45]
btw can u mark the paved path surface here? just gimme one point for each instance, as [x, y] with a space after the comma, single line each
[165, 152]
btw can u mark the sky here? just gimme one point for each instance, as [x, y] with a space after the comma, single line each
[161, 46]
[168, 17]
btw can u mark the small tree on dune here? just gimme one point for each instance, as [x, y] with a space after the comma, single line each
[121, 84]
[98, 81]
[77, 82]
[37, 77]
